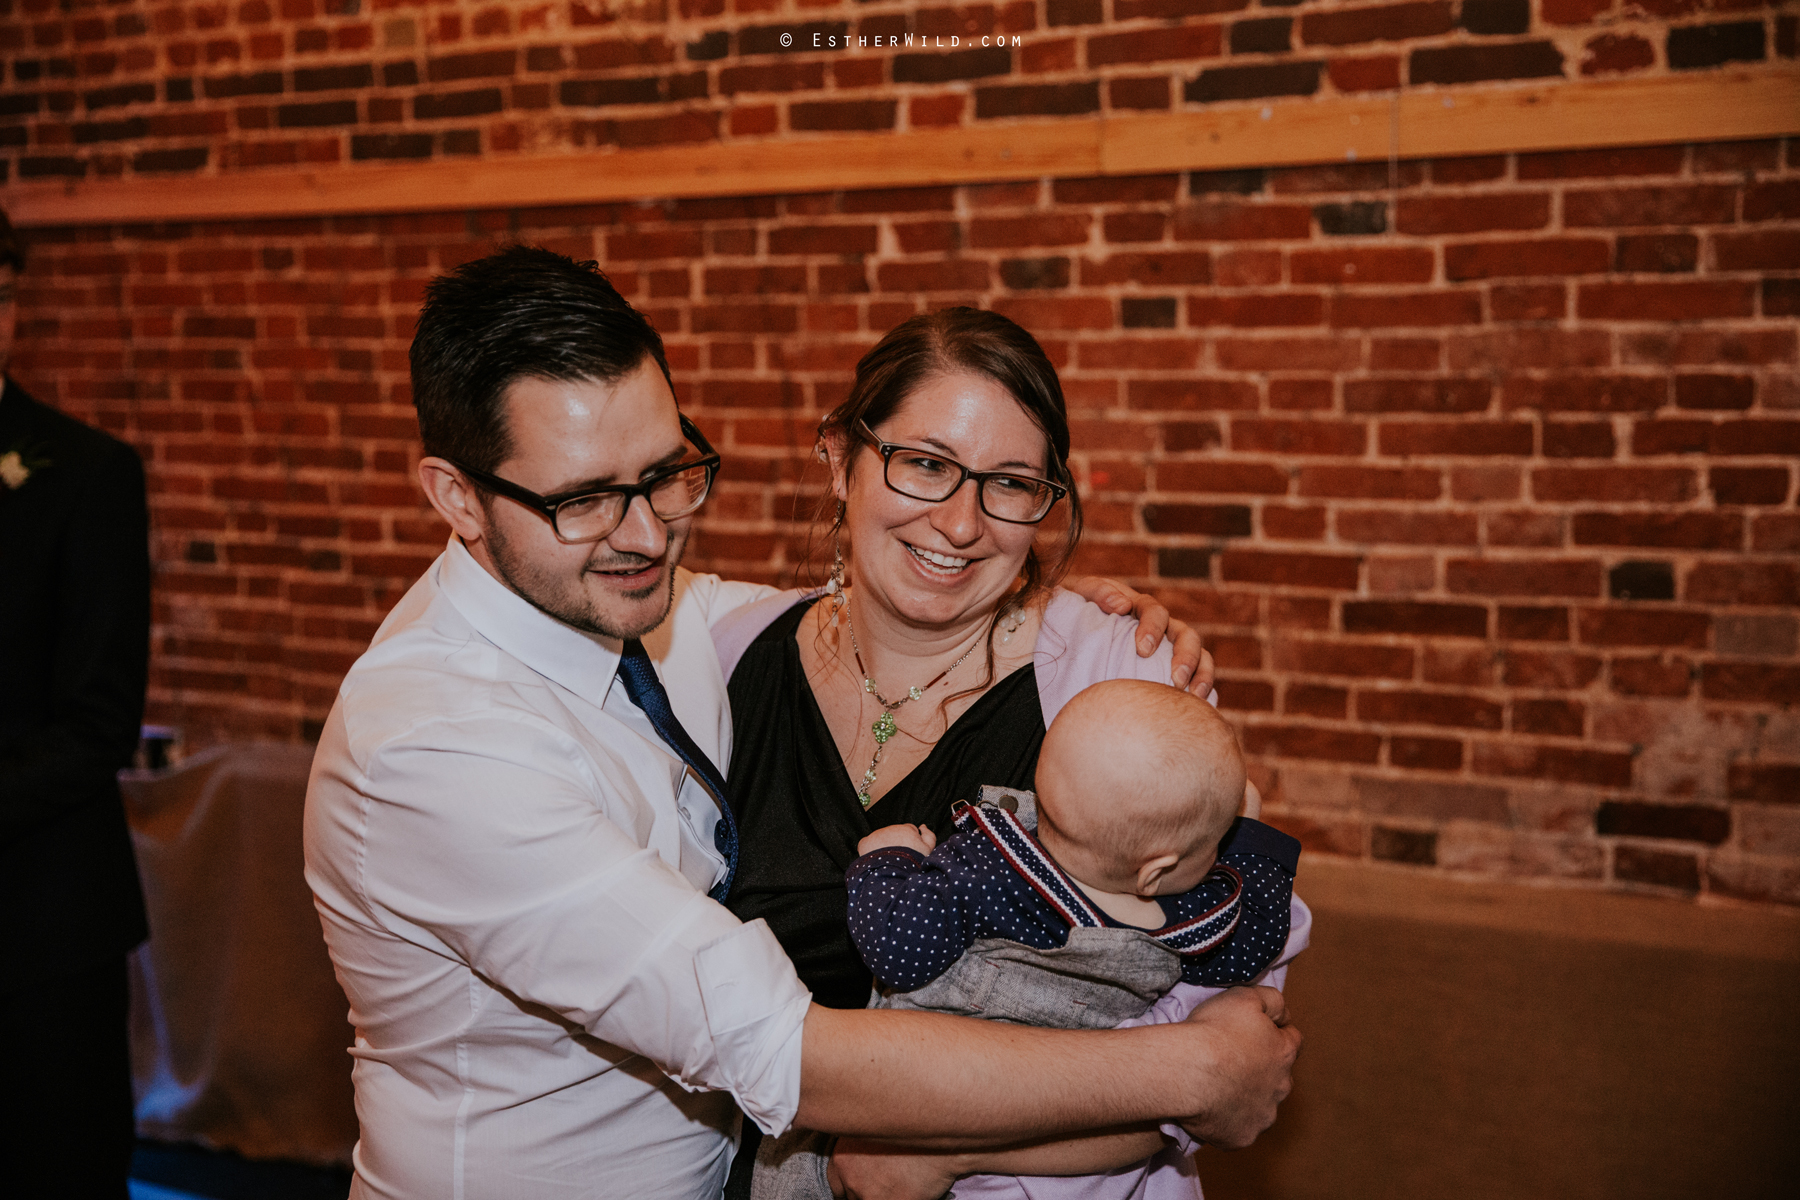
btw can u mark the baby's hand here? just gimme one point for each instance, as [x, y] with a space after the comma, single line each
[912, 837]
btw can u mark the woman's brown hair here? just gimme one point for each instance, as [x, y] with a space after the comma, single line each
[986, 343]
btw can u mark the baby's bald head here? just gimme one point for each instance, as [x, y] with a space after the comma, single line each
[1132, 770]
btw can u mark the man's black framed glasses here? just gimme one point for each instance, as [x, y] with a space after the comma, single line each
[672, 492]
[922, 474]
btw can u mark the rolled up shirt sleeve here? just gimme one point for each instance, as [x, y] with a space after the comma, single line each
[491, 838]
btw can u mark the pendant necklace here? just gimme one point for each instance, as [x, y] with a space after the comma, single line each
[884, 727]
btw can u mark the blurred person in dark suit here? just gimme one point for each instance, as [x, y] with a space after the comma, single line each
[74, 656]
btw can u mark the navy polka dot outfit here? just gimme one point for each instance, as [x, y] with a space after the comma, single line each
[912, 916]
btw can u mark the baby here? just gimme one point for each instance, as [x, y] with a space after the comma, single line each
[1138, 786]
[1140, 876]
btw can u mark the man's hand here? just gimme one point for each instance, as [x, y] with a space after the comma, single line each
[912, 837]
[1253, 1069]
[865, 1170]
[1192, 668]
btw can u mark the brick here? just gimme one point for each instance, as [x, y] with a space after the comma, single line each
[485, 64]
[1677, 822]
[1578, 439]
[1532, 302]
[1549, 671]
[1061, 229]
[1426, 754]
[1611, 53]
[1416, 847]
[1422, 396]
[1657, 868]
[1141, 94]
[1523, 577]
[1370, 483]
[943, 275]
[1040, 99]
[1765, 250]
[1253, 82]
[1748, 485]
[1266, 35]
[1211, 520]
[1700, 204]
[1286, 353]
[1372, 527]
[1521, 259]
[1428, 708]
[1246, 695]
[1696, 46]
[1756, 636]
[1666, 253]
[1755, 683]
[1359, 217]
[1696, 530]
[1642, 580]
[1184, 563]
[1254, 311]
[1664, 485]
[1381, 23]
[1289, 569]
[1475, 63]
[1667, 679]
[842, 115]
[1135, 227]
[1198, 395]
[1154, 45]
[1313, 700]
[1151, 269]
[1215, 222]
[1564, 764]
[1764, 783]
[1298, 437]
[1358, 266]
[1744, 581]
[1148, 312]
[1553, 718]
[1224, 478]
[1034, 273]
[1312, 742]
[1473, 214]
[1643, 627]
[1770, 200]
[1377, 73]
[822, 239]
[1401, 310]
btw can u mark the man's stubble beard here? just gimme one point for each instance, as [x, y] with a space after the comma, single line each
[575, 606]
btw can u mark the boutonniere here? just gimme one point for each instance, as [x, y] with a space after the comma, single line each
[18, 465]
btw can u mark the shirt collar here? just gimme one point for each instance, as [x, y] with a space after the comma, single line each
[584, 663]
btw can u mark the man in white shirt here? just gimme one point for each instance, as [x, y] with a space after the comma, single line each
[512, 829]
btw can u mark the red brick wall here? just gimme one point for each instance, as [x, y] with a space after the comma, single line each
[1482, 487]
[97, 90]
[1478, 474]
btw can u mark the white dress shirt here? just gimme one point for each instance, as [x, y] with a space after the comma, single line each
[511, 868]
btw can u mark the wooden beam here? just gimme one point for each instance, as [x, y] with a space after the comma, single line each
[1717, 106]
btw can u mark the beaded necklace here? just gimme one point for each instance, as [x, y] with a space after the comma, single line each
[884, 727]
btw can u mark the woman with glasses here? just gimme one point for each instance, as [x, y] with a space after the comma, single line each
[934, 659]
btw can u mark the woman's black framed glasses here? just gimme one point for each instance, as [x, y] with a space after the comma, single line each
[922, 474]
[591, 514]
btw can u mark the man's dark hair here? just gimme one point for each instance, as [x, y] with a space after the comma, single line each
[523, 312]
[12, 250]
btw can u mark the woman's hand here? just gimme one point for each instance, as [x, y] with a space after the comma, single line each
[1192, 668]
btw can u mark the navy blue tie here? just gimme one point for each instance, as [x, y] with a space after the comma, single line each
[646, 691]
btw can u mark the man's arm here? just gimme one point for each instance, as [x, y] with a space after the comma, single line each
[102, 651]
[957, 1083]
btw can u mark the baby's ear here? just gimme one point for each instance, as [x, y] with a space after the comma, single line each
[1152, 873]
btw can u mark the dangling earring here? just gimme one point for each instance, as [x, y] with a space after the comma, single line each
[834, 587]
[1009, 625]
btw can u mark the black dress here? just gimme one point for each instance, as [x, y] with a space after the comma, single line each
[797, 811]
